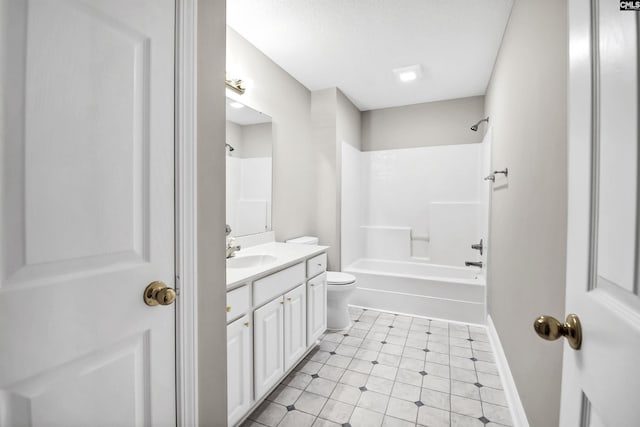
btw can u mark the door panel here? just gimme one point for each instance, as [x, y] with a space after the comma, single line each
[238, 369]
[268, 355]
[317, 308]
[87, 208]
[602, 379]
[295, 325]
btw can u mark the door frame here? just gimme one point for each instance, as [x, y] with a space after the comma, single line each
[185, 212]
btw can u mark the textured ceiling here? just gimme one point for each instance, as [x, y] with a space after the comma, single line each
[355, 44]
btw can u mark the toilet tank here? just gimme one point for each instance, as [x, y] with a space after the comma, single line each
[304, 240]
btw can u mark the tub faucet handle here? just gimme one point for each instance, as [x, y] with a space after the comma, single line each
[478, 247]
[473, 264]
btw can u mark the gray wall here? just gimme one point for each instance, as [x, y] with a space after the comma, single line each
[277, 94]
[419, 125]
[334, 120]
[526, 100]
[212, 354]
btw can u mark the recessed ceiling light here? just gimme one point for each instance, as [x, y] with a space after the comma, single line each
[408, 74]
[236, 105]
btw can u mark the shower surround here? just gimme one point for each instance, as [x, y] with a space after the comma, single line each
[409, 217]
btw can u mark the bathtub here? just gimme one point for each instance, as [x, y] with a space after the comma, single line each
[435, 291]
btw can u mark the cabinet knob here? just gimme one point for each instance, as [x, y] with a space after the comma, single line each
[288, 299]
[228, 309]
[281, 302]
[313, 285]
[247, 324]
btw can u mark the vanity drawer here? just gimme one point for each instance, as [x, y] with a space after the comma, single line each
[277, 283]
[316, 265]
[238, 302]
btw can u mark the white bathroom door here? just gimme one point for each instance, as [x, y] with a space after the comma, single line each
[87, 212]
[601, 381]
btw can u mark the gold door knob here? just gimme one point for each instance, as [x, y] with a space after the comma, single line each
[159, 293]
[550, 328]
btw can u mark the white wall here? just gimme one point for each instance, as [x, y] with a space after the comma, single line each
[352, 200]
[421, 204]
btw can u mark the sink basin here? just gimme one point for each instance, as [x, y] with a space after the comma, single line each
[248, 261]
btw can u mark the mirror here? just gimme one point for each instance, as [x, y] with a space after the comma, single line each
[249, 172]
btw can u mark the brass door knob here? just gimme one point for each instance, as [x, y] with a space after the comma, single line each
[550, 328]
[159, 293]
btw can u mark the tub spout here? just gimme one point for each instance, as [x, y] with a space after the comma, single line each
[473, 264]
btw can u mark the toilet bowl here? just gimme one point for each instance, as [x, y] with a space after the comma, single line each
[340, 287]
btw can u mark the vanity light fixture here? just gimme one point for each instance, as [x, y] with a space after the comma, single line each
[408, 74]
[235, 85]
[236, 105]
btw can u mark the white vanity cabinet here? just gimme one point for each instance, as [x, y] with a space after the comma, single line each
[316, 307]
[295, 325]
[276, 317]
[269, 345]
[239, 378]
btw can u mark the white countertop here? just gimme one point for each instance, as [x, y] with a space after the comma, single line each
[286, 254]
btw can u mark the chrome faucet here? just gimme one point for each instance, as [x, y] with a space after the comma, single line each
[473, 264]
[231, 249]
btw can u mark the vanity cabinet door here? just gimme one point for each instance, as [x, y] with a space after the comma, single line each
[295, 325]
[268, 336]
[238, 369]
[316, 308]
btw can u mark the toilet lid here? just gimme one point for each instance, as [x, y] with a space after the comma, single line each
[339, 278]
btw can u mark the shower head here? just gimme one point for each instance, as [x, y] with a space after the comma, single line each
[475, 127]
[229, 147]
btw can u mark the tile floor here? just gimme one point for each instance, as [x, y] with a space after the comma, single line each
[392, 371]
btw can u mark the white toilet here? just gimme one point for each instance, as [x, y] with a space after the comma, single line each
[340, 287]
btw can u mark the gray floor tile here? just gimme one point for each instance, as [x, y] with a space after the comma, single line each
[388, 359]
[310, 403]
[355, 379]
[466, 375]
[489, 368]
[437, 369]
[433, 382]
[489, 380]
[321, 386]
[364, 354]
[325, 423]
[392, 349]
[380, 385]
[346, 350]
[384, 371]
[411, 364]
[395, 422]
[298, 380]
[362, 366]
[435, 399]
[461, 362]
[269, 414]
[346, 393]
[309, 367]
[409, 377]
[441, 358]
[497, 414]
[433, 417]
[297, 419]
[468, 390]
[332, 373]
[339, 361]
[458, 420]
[284, 395]
[464, 406]
[337, 411]
[373, 401]
[402, 409]
[362, 417]
[406, 392]
[493, 396]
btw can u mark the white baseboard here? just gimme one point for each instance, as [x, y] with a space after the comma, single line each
[513, 398]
